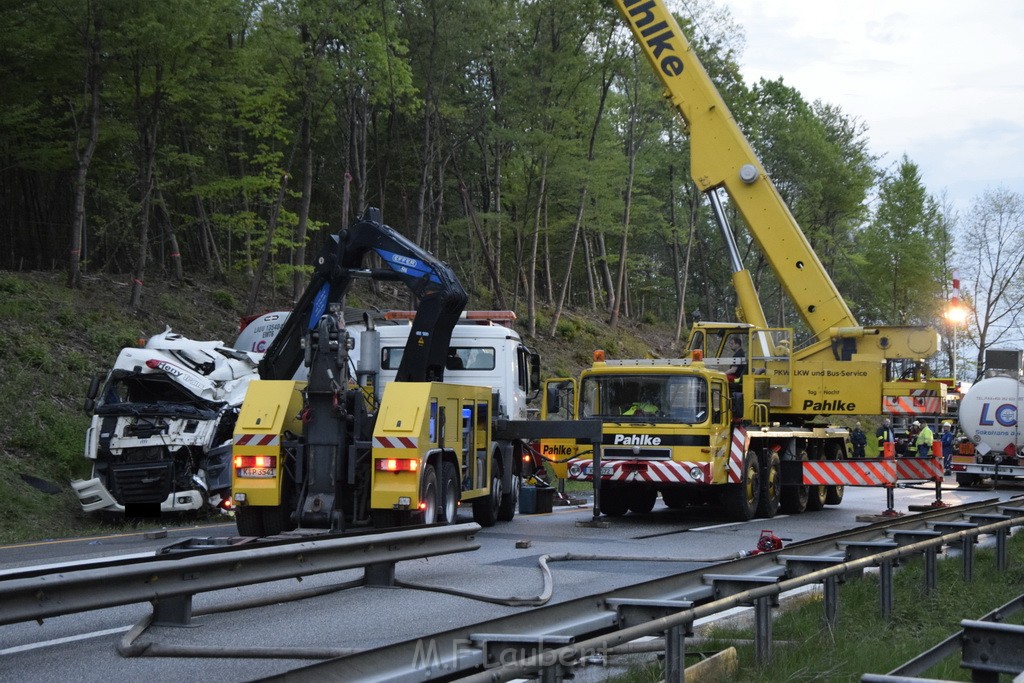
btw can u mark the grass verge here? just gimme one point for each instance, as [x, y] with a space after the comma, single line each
[862, 641]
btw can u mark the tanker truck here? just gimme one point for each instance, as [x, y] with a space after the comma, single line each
[993, 444]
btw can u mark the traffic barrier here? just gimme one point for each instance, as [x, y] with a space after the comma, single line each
[886, 471]
[923, 402]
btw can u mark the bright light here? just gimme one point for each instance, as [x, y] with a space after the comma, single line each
[956, 314]
[397, 465]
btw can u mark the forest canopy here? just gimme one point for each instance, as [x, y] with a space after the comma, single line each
[526, 143]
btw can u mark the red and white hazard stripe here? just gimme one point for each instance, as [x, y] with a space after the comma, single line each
[257, 439]
[880, 472]
[395, 442]
[926, 404]
[917, 469]
[652, 471]
[740, 446]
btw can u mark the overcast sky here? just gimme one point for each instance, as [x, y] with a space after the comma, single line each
[939, 80]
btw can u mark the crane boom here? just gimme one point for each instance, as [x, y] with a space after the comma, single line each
[721, 157]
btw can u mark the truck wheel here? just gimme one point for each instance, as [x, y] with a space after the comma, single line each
[449, 494]
[742, 500]
[430, 496]
[249, 521]
[816, 496]
[485, 510]
[614, 502]
[642, 501]
[968, 480]
[509, 501]
[793, 499]
[834, 494]
[771, 487]
[263, 520]
[675, 498]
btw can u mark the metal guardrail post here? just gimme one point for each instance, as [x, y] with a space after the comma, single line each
[172, 611]
[967, 548]
[675, 654]
[1001, 534]
[885, 587]
[930, 570]
[831, 600]
[989, 649]
[380, 574]
[763, 629]
[1001, 558]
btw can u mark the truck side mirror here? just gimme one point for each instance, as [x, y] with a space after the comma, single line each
[93, 392]
[534, 373]
[553, 402]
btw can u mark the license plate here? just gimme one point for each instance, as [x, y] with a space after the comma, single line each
[257, 472]
[606, 470]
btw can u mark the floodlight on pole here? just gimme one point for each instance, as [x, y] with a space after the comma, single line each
[956, 314]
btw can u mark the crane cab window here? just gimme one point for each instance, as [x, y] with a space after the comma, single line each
[643, 398]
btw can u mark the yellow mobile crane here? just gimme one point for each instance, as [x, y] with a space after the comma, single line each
[733, 421]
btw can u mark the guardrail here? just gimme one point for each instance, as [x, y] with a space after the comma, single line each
[549, 641]
[169, 582]
[987, 647]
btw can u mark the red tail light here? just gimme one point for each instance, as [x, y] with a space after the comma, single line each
[397, 465]
[255, 461]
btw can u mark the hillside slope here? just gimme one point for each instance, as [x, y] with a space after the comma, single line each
[53, 340]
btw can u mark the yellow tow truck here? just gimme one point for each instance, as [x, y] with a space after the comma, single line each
[328, 452]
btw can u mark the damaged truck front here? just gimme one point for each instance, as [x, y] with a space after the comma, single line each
[162, 425]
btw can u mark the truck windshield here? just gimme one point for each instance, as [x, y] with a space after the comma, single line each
[637, 397]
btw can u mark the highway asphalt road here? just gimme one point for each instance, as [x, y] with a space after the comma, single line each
[83, 647]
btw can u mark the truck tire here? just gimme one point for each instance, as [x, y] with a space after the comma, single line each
[834, 494]
[485, 510]
[614, 501]
[641, 501]
[816, 497]
[430, 495]
[450, 492]
[249, 521]
[742, 500]
[263, 520]
[771, 487]
[510, 499]
[794, 497]
[675, 498]
[968, 480]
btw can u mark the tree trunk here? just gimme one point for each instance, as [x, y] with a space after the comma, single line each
[254, 290]
[531, 289]
[492, 268]
[588, 259]
[146, 183]
[620, 285]
[580, 210]
[172, 238]
[84, 159]
[148, 126]
[299, 260]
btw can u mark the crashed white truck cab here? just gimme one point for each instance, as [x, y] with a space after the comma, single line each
[162, 424]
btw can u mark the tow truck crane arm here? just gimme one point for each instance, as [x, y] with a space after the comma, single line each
[441, 298]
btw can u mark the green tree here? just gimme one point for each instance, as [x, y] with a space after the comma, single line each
[902, 248]
[992, 249]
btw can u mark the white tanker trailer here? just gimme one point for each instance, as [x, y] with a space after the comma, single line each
[994, 442]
